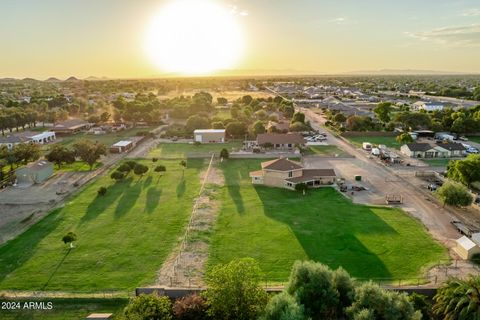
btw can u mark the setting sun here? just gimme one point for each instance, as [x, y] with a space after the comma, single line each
[194, 37]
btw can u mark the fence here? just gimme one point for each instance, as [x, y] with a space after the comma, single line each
[104, 294]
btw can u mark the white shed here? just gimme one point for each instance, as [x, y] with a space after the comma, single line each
[466, 248]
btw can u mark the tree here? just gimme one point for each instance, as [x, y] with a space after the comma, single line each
[69, 238]
[191, 307]
[465, 171]
[160, 169]
[218, 125]
[298, 117]
[26, 152]
[312, 286]
[458, 299]
[102, 191]
[125, 168]
[60, 154]
[246, 100]
[140, 169]
[146, 307]
[454, 194]
[117, 175]
[89, 152]
[421, 303]
[283, 307]
[224, 154]
[340, 118]
[302, 187]
[404, 138]
[298, 127]
[235, 129]
[197, 122]
[258, 128]
[222, 101]
[234, 290]
[373, 302]
[383, 110]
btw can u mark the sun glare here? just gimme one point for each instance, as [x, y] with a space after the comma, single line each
[194, 37]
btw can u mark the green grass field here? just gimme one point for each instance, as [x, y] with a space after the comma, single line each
[65, 309]
[474, 139]
[277, 226]
[123, 237]
[108, 139]
[388, 141]
[180, 150]
[324, 151]
[77, 166]
[437, 162]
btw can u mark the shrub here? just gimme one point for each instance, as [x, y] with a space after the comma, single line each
[191, 307]
[154, 159]
[102, 191]
[224, 153]
[283, 307]
[117, 175]
[149, 307]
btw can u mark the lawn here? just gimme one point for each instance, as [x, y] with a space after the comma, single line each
[324, 151]
[65, 309]
[108, 139]
[437, 162]
[474, 139]
[181, 150]
[388, 141]
[277, 226]
[123, 237]
[77, 166]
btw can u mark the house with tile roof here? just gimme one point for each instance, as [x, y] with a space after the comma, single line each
[285, 173]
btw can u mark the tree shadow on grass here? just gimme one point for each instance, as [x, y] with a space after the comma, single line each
[147, 181]
[181, 187]
[153, 199]
[101, 203]
[327, 227]
[16, 252]
[233, 176]
[56, 269]
[128, 199]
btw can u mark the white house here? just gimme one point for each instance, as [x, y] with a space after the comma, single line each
[428, 106]
[426, 150]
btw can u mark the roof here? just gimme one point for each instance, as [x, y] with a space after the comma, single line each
[209, 131]
[70, 124]
[419, 146]
[466, 243]
[310, 174]
[257, 173]
[281, 165]
[280, 138]
[451, 146]
[122, 143]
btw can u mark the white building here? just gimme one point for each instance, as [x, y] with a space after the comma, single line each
[428, 106]
[209, 135]
[466, 248]
[44, 137]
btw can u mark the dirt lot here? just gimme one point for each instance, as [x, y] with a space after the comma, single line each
[230, 95]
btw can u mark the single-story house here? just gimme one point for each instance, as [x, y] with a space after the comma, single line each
[209, 135]
[71, 126]
[33, 173]
[27, 137]
[454, 149]
[281, 141]
[466, 248]
[424, 150]
[428, 106]
[285, 173]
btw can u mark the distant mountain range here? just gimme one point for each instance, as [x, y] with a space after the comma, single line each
[405, 72]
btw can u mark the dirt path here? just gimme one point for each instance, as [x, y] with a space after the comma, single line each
[185, 266]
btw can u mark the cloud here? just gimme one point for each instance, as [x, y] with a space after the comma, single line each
[339, 20]
[471, 13]
[461, 36]
[236, 11]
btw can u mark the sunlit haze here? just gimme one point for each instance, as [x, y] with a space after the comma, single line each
[152, 38]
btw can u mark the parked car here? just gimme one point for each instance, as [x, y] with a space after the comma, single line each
[432, 187]
[471, 150]
[462, 138]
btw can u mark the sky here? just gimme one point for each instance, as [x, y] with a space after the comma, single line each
[106, 38]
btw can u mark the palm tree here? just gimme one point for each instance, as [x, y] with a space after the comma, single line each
[458, 299]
